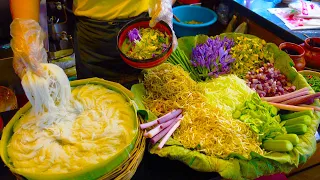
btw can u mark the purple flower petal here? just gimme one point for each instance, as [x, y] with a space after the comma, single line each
[213, 56]
[134, 35]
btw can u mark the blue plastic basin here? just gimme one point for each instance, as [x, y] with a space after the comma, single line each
[197, 13]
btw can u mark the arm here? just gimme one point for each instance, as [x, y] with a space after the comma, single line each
[27, 37]
[162, 10]
[25, 9]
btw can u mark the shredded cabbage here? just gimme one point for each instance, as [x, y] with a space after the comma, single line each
[226, 92]
[93, 127]
[204, 127]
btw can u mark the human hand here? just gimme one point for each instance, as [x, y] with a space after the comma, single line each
[27, 45]
[161, 10]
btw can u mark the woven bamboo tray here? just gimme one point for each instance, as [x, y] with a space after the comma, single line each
[126, 170]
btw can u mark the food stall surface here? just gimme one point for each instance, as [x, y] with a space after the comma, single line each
[257, 11]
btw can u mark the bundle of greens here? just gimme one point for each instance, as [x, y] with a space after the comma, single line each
[178, 57]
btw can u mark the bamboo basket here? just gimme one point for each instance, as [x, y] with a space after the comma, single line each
[127, 168]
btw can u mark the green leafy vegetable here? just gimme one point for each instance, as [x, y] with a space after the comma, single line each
[261, 117]
[225, 97]
[313, 81]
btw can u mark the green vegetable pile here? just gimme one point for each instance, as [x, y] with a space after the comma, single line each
[262, 118]
[297, 122]
[225, 97]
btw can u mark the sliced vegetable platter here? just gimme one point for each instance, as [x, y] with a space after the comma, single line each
[249, 136]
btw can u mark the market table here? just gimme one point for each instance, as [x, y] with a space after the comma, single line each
[155, 167]
[257, 11]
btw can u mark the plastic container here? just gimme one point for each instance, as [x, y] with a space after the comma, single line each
[147, 63]
[197, 13]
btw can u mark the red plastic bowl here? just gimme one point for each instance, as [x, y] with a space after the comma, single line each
[146, 63]
[189, 1]
[1, 124]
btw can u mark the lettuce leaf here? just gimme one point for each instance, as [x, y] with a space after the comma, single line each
[138, 90]
[188, 42]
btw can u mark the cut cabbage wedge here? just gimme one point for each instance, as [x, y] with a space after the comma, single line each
[92, 171]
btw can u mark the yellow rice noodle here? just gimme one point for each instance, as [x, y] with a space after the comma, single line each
[49, 92]
[204, 127]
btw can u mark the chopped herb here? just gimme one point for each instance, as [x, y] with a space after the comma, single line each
[313, 81]
[145, 43]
